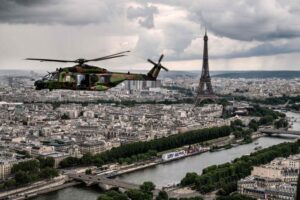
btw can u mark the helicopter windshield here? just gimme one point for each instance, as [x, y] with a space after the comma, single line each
[51, 76]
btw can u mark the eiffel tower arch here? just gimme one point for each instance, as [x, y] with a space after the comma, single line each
[205, 89]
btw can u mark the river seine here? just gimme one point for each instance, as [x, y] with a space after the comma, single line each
[173, 172]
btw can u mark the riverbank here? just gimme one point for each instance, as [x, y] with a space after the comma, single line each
[52, 189]
[165, 174]
[55, 184]
[46, 188]
[123, 172]
[169, 173]
[154, 163]
[218, 144]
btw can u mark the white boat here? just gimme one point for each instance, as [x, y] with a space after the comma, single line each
[173, 155]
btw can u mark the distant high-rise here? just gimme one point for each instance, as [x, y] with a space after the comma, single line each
[205, 90]
[141, 85]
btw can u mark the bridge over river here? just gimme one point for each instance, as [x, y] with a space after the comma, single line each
[102, 181]
[279, 131]
[106, 183]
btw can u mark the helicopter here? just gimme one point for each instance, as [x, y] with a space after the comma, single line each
[87, 77]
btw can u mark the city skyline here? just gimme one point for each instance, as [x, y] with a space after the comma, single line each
[244, 35]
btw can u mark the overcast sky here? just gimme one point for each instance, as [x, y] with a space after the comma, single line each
[243, 34]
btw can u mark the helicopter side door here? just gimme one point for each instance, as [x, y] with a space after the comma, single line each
[82, 81]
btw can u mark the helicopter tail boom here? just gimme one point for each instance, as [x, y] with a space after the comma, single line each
[154, 72]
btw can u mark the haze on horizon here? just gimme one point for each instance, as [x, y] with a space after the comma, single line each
[243, 35]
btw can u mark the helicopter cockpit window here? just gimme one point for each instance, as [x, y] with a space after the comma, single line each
[51, 76]
[46, 77]
[54, 77]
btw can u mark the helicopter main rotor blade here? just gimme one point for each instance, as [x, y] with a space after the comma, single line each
[81, 61]
[105, 58]
[49, 60]
[109, 56]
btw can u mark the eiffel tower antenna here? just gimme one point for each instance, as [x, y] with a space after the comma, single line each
[205, 90]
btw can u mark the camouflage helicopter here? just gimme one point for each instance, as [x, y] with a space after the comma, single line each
[88, 77]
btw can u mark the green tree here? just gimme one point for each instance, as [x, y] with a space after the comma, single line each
[10, 183]
[281, 123]
[113, 195]
[22, 178]
[87, 159]
[226, 175]
[138, 195]
[125, 153]
[147, 187]
[69, 162]
[236, 123]
[235, 197]
[48, 173]
[46, 162]
[27, 166]
[105, 197]
[162, 195]
[253, 125]
[190, 178]
[88, 171]
[266, 120]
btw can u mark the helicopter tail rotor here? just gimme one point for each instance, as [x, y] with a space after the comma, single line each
[153, 73]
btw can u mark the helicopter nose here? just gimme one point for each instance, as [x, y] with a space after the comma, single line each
[39, 84]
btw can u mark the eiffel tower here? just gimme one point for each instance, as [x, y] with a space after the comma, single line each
[203, 92]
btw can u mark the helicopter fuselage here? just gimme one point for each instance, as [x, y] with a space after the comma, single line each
[89, 78]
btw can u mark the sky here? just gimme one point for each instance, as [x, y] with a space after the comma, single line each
[243, 34]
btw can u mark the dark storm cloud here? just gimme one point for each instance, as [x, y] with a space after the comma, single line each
[261, 22]
[25, 11]
[249, 20]
[69, 12]
[265, 49]
[27, 2]
[145, 15]
[17, 10]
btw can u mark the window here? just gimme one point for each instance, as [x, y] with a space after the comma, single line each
[79, 79]
[68, 78]
[104, 79]
[54, 77]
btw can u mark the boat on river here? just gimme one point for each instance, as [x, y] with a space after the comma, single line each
[173, 155]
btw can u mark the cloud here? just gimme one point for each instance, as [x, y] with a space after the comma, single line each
[247, 20]
[171, 35]
[144, 14]
[68, 12]
[267, 49]
[74, 28]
